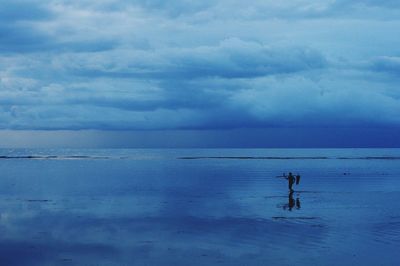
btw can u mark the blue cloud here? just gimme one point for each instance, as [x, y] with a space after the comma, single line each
[232, 58]
[184, 65]
[24, 39]
[376, 3]
[386, 64]
[24, 10]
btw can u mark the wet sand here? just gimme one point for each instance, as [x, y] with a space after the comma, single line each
[149, 207]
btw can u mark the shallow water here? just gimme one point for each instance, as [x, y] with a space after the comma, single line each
[199, 207]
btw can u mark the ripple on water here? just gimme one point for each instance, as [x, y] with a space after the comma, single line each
[387, 232]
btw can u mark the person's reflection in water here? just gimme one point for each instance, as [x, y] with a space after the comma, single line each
[292, 203]
[298, 203]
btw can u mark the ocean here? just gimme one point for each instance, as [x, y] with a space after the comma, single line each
[199, 207]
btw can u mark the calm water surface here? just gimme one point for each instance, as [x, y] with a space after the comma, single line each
[199, 207]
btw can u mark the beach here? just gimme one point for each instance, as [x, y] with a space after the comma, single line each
[199, 207]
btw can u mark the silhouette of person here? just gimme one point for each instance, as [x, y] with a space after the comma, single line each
[291, 180]
[297, 179]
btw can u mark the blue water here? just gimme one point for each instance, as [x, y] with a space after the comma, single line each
[199, 207]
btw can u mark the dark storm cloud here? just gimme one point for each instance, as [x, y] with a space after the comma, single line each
[232, 58]
[16, 31]
[27, 39]
[113, 64]
[24, 10]
[386, 64]
[21, 30]
[15, 38]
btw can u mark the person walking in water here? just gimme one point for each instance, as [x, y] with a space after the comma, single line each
[291, 181]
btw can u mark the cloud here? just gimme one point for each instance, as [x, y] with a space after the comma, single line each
[389, 64]
[21, 39]
[268, 9]
[116, 65]
[374, 3]
[24, 10]
[231, 58]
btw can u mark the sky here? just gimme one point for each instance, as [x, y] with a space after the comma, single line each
[322, 73]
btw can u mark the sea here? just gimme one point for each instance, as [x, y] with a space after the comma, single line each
[199, 207]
